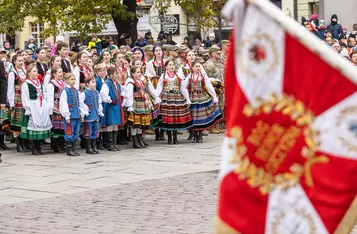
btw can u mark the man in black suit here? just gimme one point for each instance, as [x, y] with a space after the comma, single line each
[42, 67]
[3, 95]
[62, 51]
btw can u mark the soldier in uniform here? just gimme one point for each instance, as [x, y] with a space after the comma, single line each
[215, 70]
[173, 55]
[225, 48]
[149, 55]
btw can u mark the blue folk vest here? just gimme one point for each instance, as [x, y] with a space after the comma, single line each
[73, 102]
[92, 101]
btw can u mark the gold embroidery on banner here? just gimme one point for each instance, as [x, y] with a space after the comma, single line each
[223, 228]
[274, 143]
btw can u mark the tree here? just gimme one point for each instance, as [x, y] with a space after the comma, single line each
[91, 16]
[203, 13]
[83, 16]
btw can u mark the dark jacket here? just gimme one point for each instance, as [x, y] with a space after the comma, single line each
[42, 69]
[3, 84]
[321, 33]
[335, 28]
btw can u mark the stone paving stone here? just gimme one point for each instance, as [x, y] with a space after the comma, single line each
[181, 204]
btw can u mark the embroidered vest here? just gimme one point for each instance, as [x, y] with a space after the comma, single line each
[73, 102]
[92, 101]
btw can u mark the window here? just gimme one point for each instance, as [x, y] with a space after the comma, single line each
[36, 30]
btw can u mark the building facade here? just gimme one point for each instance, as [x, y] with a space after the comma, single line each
[31, 28]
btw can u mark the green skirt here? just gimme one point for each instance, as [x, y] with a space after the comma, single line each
[31, 134]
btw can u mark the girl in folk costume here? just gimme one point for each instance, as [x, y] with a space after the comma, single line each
[93, 101]
[205, 112]
[101, 74]
[107, 58]
[36, 122]
[126, 67]
[154, 69]
[73, 110]
[112, 109]
[186, 68]
[175, 102]
[139, 105]
[81, 71]
[118, 61]
[54, 91]
[90, 65]
[55, 62]
[138, 54]
[15, 80]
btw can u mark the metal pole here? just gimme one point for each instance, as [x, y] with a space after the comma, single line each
[219, 28]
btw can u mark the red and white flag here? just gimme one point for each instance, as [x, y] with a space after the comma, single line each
[289, 158]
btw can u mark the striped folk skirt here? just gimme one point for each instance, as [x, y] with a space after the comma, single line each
[204, 112]
[141, 116]
[175, 112]
[57, 125]
[5, 119]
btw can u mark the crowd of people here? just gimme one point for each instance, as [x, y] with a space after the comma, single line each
[335, 35]
[106, 95]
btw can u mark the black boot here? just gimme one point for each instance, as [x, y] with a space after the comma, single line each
[129, 136]
[176, 142]
[99, 141]
[195, 137]
[169, 137]
[18, 145]
[141, 141]
[94, 146]
[83, 142]
[157, 134]
[200, 137]
[2, 142]
[74, 149]
[34, 148]
[121, 139]
[38, 147]
[69, 148]
[136, 143]
[56, 145]
[191, 136]
[123, 136]
[26, 145]
[61, 144]
[115, 138]
[162, 135]
[109, 141]
[89, 149]
[0, 158]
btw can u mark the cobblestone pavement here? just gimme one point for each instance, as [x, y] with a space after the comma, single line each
[179, 204]
[162, 189]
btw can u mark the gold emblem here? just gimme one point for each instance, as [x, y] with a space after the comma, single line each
[271, 144]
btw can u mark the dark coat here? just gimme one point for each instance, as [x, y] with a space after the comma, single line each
[42, 69]
[3, 84]
[335, 28]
